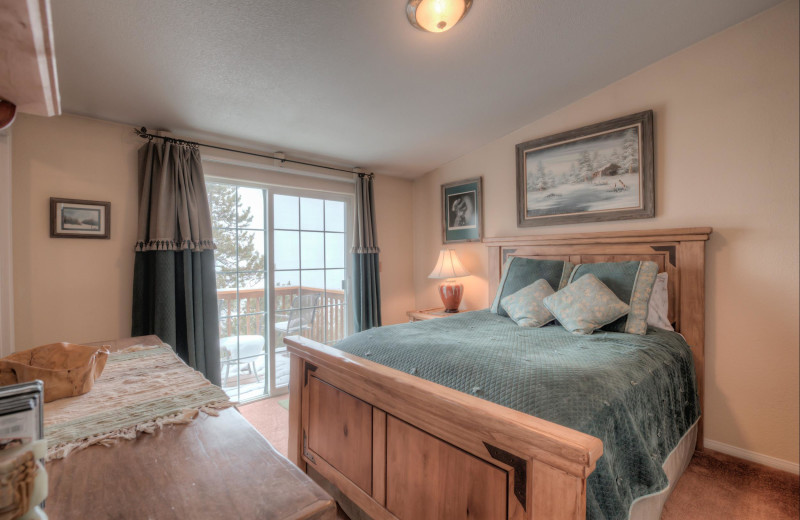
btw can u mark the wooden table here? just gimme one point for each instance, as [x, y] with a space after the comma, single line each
[214, 467]
[430, 314]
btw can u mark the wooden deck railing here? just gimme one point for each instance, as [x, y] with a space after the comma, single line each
[329, 323]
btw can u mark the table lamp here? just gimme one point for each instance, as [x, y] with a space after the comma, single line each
[449, 266]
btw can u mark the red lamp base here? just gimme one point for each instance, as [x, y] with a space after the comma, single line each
[451, 292]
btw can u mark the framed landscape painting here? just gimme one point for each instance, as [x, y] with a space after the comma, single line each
[595, 173]
[461, 211]
[71, 218]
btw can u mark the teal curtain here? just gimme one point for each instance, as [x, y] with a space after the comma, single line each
[174, 284]
[366, 276]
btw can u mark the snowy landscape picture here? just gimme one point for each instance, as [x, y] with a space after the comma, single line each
[70, 218]
[601, 172]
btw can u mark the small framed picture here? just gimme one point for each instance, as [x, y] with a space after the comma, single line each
[461, 211]
[71, 218]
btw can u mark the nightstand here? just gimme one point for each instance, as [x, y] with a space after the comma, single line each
[430, 314]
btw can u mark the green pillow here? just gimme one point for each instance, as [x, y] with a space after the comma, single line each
[525, 306]
[631, 282]
[585, 305]
[521, 272]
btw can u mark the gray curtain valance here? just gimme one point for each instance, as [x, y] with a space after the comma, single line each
[365, 235]
[173, 205]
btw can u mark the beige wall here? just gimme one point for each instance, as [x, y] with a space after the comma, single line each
[80, 290]
[726, 131]
[393, 204]
[75, 290]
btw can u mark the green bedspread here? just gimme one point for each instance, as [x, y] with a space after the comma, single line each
[635, 393]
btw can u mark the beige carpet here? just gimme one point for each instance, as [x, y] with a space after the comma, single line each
[714, 486]
[718, 486]
[271, 419]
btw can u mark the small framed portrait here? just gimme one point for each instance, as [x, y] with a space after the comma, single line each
[71, 218]
[461, 211]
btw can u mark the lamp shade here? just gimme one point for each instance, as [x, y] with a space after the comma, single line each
[448, 266]
[436, 15]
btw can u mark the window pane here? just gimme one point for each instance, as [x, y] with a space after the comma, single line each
[311, 214]
[334, 250]
[335, 283]
[286, 213]
[251, 335]
[228, 360]
[225, 254]
[226, 302]
[251, 251]
[313, 288]
[251, 293]
[281, 367]
[252, 371]
[222, 200]
[335, 323]
[287, 290]
[251, 208]
[227, 337]
[226, 280]
[287, 250]
[334, 215]
[287, 295]
[312, 250]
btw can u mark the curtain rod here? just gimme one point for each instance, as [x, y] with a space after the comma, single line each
[142, 132]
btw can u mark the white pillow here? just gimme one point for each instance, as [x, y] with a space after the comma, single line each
[658, 309]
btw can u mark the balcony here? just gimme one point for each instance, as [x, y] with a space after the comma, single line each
[312, 312]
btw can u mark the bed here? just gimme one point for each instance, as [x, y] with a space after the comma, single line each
[397, 445]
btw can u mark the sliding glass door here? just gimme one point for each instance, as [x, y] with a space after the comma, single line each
[309, 277]
[282, 265]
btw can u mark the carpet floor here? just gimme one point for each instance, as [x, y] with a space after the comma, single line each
[714, 486]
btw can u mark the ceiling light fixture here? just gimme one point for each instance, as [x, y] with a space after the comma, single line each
[436, 15]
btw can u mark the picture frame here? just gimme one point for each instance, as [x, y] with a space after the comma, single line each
[462, 211]
[595, 173]
[75, 218]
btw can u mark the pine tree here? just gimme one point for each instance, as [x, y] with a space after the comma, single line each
[585, 165]
[574, 176]
[225, 206]
[540, 183]
[630, 155]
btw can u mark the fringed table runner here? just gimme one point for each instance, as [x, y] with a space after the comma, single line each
[141, 389]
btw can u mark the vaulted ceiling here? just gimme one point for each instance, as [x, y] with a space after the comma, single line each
[351, 81]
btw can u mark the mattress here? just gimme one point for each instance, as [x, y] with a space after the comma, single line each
[635, 393]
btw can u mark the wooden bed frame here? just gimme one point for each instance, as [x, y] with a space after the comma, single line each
[397, 446]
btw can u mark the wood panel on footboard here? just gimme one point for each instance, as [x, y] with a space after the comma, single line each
[400, 447]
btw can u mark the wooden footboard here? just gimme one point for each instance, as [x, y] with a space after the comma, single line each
[402, 447]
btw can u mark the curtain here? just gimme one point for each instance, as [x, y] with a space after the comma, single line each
[367, 281]
[174, 284]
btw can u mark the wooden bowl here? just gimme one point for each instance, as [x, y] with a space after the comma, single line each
[66, 369]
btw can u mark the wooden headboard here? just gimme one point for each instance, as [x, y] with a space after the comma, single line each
[679, 252]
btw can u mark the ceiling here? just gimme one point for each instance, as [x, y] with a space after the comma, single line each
[351, 82]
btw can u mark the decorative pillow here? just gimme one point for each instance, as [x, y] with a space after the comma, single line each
[585, 305]
[525, 306]
[631, 282]
[658, 309]
[521, 272]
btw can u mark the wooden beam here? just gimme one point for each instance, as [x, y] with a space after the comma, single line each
[27, 57]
